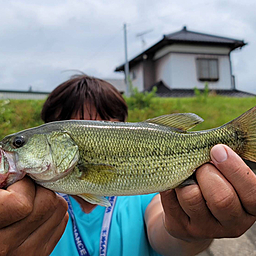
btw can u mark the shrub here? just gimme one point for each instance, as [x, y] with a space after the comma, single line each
[140, 100]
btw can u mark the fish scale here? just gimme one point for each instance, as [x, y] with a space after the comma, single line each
[93, 159]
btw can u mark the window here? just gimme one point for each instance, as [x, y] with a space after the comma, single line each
[133, 75]
[207, 69]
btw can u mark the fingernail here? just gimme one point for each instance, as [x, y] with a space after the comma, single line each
[219, 154]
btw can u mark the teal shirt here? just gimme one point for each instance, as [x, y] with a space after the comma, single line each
[127, 234]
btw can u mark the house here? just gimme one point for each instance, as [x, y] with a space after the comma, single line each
[183, 60]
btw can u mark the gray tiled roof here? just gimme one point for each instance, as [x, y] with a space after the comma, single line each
[186, 35]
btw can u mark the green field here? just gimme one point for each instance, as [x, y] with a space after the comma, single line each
[215, 110]
[17, 115]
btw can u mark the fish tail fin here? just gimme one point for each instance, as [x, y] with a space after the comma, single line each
[246, 124]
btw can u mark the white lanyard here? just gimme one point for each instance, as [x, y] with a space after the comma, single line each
[106, 226]
[81, 248]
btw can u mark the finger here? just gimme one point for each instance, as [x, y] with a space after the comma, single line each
[220, 196]
[193, 204]
[175, 217]
[238, 174]
[202, 222]
[16, 202]
[45, 204]
[49, 227]
[54, 239]
[45, 237]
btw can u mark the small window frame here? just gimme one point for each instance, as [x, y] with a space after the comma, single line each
[207, 69]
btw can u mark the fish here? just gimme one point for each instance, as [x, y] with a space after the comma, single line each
[97, 159]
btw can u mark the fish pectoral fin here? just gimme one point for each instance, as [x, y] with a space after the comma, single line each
[180, 121]
[93, 199]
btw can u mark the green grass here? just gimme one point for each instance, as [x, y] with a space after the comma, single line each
[16, 115]
[215, 110]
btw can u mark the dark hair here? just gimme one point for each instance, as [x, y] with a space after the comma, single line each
[79, 92]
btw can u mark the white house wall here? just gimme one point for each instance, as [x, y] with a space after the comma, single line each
[163, 70]
[180, 48]
[183, 67]
[137, 81]
[178, 71]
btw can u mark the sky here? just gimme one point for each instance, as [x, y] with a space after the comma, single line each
[43, 43]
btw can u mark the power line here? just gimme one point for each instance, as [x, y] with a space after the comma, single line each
[105, 45]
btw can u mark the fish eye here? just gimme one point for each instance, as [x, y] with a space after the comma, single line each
[18, 141]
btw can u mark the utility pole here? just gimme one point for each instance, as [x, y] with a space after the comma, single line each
[126, 66]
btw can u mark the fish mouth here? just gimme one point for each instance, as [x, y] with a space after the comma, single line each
[8, 171]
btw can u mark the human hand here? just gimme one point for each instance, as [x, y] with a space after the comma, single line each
[32, 219]
[223, 204]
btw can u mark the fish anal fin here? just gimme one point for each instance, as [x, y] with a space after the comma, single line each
[180, 121]
[94, 199]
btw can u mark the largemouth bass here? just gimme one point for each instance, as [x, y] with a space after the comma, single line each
[94, 159]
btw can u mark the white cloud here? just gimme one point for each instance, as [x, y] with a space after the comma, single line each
[41, 39]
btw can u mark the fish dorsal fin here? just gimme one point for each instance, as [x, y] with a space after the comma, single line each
[180, 121]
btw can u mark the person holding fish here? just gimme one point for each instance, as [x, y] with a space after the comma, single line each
[178, 221]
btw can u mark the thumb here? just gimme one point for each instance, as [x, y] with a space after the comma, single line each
[237, 173]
